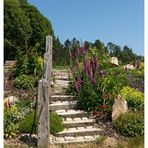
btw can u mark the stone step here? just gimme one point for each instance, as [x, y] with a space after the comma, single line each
[7, 72]
[62, 105]
[9, 67]
[57, 92]
[76, 139]
[62, 98]
[62, 83]
[54, 71]
[72, 113]
[77, 122]
[79, 131]
[11, 62]
[62, 78]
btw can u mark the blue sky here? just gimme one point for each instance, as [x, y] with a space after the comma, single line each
[117, 21]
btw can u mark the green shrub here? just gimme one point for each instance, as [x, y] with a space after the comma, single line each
[119, 75]
[11, 118]
[38, 63]
[25, 81]
[29, 124]
[134, 98]
[130, 124]
[22, 64]
[56, 123]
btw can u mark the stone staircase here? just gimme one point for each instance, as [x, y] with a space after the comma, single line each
[79, 125]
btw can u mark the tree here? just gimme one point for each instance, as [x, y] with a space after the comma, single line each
[24, 26]
[67, 43]
[127, 55]
[114, 50]
[100, 46]
[16, 29]
[88, 44]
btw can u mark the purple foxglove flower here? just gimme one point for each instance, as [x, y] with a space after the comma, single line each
[93, 81]
[83, 50]
[77, 85]
[95, 63]
[88, 70]
[90, 77]
[92, 66]
[77, 63]
[85, 65]
[79, 79]
[91, 63]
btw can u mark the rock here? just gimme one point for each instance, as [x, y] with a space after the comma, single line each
[52, 139]
[114, 61]
[129, 66]
[119, 107]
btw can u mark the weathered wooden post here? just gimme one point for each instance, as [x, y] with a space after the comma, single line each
[43, 98]
[43, 114]
[49, 45]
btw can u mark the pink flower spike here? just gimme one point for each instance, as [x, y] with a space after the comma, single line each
[83, 50]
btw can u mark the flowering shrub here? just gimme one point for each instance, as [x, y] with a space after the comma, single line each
[134, 98]
[11, 118]
[13, 113]
[95, 91]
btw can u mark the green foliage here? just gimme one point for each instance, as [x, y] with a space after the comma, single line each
[129, 124]
[56, 123]
[25, 81]
[22, 65]
[11, 118]
[29, 123]
[141, 68]
[119, 76]
[134, 98]
[102, 56]
[138, 72]
[35, 61]
[38, 70]
[24, 107]
[22, 30]
[30, 63]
